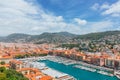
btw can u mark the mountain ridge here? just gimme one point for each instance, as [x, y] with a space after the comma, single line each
[41, 38]
[56, 37]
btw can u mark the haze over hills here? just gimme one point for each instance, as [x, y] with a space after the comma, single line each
[98, 35]
[60, 37]
[42, 38]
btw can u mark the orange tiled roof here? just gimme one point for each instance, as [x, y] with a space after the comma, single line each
[32, 76]
[46, 78]
[5, 56]
[32, 69]
[5, 65]
[16, 61]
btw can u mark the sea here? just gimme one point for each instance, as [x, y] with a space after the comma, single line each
[77, 73]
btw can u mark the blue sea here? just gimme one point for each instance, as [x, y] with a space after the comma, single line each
[77, 73]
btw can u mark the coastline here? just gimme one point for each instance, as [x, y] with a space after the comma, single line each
[83, 65]
[78, 73]
[33, 62]
[77, 64]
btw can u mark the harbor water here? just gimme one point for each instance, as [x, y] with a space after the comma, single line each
[77, 73]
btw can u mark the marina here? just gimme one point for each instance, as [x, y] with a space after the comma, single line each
[67, 61]
[58, 75]
[68, 66]
[78, 73]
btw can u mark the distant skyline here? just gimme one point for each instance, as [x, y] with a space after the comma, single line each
[74, 16]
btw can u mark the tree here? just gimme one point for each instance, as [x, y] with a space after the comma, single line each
[3, 76]
[2, 69]
[10, 74]
[2, 62]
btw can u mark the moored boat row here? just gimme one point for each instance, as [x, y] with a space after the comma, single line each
[85, 68]
[105, 73]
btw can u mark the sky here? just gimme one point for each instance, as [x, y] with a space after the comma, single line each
[74, 16]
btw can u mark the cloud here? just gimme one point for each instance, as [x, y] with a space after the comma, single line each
[105, 6]
[80, 22]
[107, 9]
[111, 14]
[26, 17]
[97, 26]
[95, 6]
[113, 10]
[21, 16]
[103, 25]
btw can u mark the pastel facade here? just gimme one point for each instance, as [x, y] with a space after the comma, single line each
[109, 62]
[14, 64]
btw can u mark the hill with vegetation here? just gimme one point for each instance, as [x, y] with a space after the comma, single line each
[61, 37]
[95, 42]
[98, 35]
[9, 74]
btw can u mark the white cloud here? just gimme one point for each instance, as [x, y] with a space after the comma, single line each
[107, 9]
[80, 22]
[113, 10]
[103, 25]
[20, 16]
[95, 6]
[25, 17]
[105, 6]
[97, 27]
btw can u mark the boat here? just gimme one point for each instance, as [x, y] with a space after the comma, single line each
[85, 68]
[105, 73]
[117, 74]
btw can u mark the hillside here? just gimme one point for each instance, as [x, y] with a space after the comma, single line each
[95, 42]
[16, 37]
[61, 37]
[98, 35]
